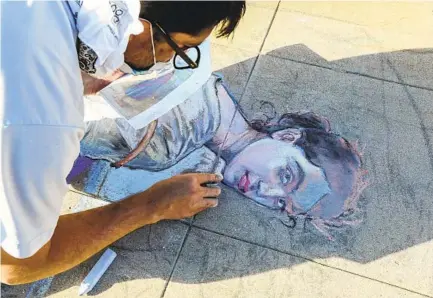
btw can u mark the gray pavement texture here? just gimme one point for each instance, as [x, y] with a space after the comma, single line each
[368, 68]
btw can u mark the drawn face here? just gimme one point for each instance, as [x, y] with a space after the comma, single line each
[275, 173]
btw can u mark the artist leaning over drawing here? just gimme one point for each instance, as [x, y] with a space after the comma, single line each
[45, 43]
[295, 163]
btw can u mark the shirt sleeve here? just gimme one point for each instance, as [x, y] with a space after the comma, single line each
[35, 161]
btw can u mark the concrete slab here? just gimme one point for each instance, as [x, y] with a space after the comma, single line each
[398, 224]
[392, 15]
[14, 291]
[385, 40]
[251, 31]
[270, 4]
[71, 200]
[391, 244]
[293, 86]
[234, 64]
[143, 264]
[211, 265]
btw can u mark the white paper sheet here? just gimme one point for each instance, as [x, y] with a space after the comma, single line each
[142, 101]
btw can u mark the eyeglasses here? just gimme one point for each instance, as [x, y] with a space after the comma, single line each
[184, 58]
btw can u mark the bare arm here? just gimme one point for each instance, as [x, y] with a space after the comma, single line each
[78, 236]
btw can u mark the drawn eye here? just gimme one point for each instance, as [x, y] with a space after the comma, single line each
[286, 176]
[281, 204]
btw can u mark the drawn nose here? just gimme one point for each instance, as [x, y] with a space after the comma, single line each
[270, 190]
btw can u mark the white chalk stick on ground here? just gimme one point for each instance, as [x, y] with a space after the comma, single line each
[97, 271]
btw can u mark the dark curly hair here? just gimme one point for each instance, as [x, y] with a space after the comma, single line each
[340, 160]
[192, 17]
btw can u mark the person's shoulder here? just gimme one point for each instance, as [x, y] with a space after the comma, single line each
[41, 75]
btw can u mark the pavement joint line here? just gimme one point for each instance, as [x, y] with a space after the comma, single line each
[256, 58]
[103, 182]
[307, 259]
[82, 193]
[340, 70]
[177, 258]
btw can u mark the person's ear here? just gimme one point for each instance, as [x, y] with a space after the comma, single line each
[289, 135]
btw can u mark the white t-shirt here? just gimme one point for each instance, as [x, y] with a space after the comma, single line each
[42, 119]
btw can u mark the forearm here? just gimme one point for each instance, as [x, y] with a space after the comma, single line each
[77, 237]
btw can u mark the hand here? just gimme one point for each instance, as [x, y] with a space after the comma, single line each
[93, 85]
[206, 163]
[183, 195]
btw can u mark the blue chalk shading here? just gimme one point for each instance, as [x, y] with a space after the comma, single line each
[96, 177]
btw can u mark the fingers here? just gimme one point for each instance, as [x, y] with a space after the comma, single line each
[208, 197]
[211, 192]
[206, 203]
[208, 177]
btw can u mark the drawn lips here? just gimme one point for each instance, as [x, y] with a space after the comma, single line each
[244, 183]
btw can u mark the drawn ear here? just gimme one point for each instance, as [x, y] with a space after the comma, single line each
[289, 135]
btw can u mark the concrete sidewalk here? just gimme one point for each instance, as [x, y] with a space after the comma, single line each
[368, 68]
